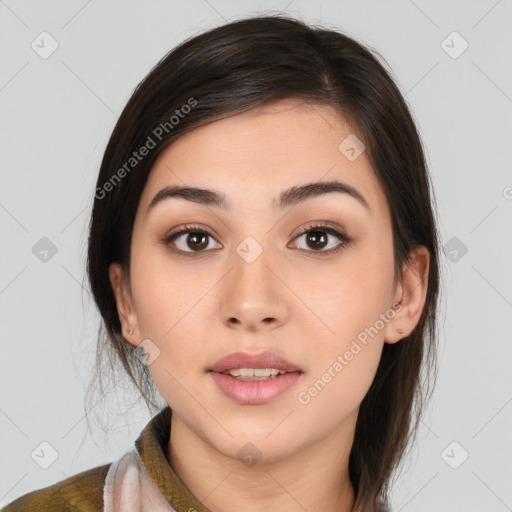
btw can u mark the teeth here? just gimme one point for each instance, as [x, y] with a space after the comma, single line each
[247, 373]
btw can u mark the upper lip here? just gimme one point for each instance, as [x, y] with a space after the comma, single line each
[244, 360]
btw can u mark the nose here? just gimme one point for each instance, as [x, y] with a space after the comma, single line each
[253, 296]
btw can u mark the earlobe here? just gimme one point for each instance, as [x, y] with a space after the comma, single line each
[410, 295]
[125, 310]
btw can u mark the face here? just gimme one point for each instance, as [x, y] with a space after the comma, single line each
[308, 280]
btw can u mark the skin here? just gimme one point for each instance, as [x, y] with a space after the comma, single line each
[199, 309]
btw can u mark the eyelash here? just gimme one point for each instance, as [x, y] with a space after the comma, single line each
[345, 240]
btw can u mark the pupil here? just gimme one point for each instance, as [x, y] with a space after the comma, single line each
[195, 236]
[315, 236]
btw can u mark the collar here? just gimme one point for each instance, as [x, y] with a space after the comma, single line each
[151, 447]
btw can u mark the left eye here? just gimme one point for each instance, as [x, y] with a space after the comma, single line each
[317, 239]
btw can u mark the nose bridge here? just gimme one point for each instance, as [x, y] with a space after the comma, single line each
[253, 252]
[251, 276]
[252, 294]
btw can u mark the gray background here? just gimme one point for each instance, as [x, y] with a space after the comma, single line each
[56, 116]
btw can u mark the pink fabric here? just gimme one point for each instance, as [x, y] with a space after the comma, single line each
[129, 488]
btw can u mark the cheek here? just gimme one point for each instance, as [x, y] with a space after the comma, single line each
[349, 298]
[353, 304]
[163, 293]
[345, 358]
[170, 313]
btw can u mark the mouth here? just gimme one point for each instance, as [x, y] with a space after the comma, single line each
[250, 379]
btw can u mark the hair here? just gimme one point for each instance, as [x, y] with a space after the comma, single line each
[231, 69]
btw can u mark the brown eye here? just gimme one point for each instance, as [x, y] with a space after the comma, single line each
[197, 240]
[189, 240]
[317, 239]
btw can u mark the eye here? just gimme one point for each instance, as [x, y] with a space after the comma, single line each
[317, 238]
[196, 240]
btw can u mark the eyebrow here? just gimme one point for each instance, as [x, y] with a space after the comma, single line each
[288, 198]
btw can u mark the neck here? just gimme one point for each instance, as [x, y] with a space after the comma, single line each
[315, 478]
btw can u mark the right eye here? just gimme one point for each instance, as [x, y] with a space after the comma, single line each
[196, 238]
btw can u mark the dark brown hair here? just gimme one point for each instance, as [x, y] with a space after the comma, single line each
[231, 69]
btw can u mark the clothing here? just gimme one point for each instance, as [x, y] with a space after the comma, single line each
[142, 475]
[142, 480]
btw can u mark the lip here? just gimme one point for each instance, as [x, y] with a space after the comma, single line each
[245, 360]
[256, 392]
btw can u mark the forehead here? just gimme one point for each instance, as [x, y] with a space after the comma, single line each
[255, 155]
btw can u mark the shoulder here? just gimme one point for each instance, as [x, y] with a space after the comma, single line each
[82, 492]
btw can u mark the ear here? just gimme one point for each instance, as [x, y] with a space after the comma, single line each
[122, 292]
[410, 296]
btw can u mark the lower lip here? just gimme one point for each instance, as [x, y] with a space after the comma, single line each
[254, 392]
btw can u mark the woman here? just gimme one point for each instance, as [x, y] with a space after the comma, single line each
[263, 250]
